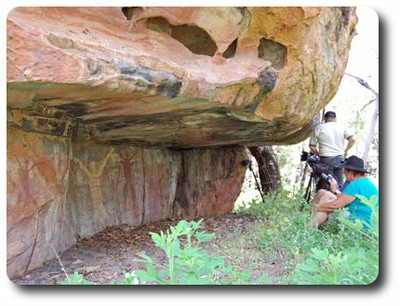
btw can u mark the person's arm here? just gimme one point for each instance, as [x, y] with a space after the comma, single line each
[314, 149]
[341, 201]
[350, 143]
[312, 144]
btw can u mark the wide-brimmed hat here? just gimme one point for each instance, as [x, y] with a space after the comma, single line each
[353, 163]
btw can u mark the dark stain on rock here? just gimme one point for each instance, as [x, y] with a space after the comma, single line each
[146, 79]
[93, 68]
[74, 109]
[267, 79]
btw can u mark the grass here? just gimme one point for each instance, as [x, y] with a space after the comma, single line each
[341, 253]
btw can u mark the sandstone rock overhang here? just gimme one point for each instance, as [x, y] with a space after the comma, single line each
[185, 77]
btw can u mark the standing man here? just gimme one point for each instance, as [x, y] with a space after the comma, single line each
[330, 139]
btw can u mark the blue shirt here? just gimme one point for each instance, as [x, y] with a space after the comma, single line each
[362, 186]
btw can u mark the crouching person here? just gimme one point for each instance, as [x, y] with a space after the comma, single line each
[358, 184]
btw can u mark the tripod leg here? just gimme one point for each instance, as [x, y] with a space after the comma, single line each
[307, 194]
[303, 175]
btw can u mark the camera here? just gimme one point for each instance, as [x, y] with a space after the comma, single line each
[326, 177]
[320, 170]
[309, 157]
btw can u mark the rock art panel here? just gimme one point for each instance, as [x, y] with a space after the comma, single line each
[60, 191]
[37, 181]
[142, 185]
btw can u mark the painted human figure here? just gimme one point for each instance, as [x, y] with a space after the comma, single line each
[128, 190]
[93, 174]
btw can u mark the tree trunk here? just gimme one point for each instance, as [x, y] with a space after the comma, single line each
[374, 116]
[371, 130]
[268, 168]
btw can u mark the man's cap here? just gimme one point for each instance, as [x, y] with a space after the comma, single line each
[330, 114]
[353, 163]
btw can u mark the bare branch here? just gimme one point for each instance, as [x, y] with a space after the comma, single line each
[369, 102]
[363, 83]
[374, 116]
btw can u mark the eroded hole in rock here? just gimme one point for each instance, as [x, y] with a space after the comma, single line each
[194, 38]
[128, 11]
[231, 50]
[346, 15]
[272, 51]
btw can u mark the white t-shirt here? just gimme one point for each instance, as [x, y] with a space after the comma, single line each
[330, 139]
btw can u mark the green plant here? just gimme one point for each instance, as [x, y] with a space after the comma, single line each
[186, 262]
[355, 266]
[342, 252]
[75, 279]
[352, 263]
[273, 205]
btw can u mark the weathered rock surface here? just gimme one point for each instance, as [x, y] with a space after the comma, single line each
[59, 190]
[176, 77]
[132, 115]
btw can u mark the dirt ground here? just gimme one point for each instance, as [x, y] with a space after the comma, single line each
[104, 256]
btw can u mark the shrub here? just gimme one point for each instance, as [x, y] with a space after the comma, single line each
[341, 253]
[186, 263]
[354, 262]
[75, 279]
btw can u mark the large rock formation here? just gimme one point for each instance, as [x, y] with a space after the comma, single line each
[130, 115]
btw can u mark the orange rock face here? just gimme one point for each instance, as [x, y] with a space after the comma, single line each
[178, 77]
[132, 115]
[59, 190]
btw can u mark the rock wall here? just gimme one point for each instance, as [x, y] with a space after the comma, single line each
[59, 190]
[132, 115]
[37, 183]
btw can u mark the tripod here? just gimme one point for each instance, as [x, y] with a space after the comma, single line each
[311, 186]
[248, 163]
[318, 179]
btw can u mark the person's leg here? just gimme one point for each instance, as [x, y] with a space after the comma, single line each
[326, 197]
[323, 196]
[318, 196]
[320, 217]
